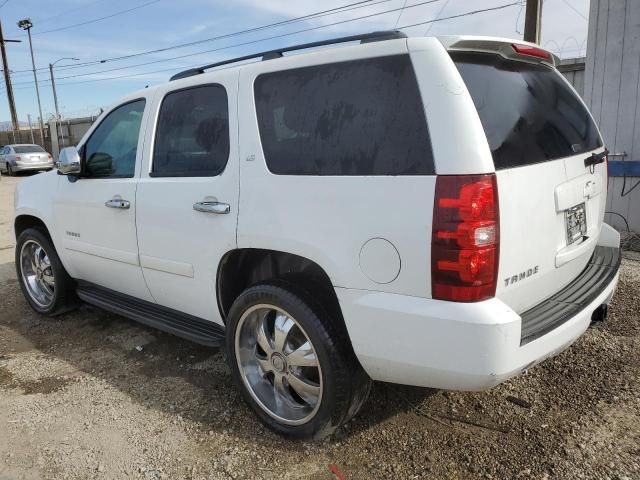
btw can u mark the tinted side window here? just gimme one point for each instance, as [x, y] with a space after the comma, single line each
[362, 117]
[111, 150]
[192, 138]
[529, 114]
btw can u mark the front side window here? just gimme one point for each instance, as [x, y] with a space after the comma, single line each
[192, 138]
[362, 117]
[111, 150]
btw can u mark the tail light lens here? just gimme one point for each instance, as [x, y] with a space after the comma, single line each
[466, 238]
[17, 157]
[49, 157]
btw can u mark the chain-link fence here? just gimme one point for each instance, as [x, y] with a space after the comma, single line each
[57, 135]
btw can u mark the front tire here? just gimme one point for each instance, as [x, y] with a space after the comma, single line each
[44, 282]
[297, 374]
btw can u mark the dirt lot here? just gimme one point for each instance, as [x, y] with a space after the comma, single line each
[92, 395]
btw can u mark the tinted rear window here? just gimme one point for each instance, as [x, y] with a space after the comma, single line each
[28, 149]
[528, 112]
[361, 117]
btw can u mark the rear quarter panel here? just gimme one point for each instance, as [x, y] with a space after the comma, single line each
[329, 219]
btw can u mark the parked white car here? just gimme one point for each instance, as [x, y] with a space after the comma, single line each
[425, 211]
[24, 157]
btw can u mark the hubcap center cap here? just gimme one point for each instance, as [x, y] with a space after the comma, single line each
[278, 362]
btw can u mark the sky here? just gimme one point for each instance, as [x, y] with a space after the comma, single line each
[75, 28]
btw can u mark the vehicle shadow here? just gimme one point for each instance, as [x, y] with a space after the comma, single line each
[160, 371]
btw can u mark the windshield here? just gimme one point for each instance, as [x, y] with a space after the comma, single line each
[28, 149]
[528, 111]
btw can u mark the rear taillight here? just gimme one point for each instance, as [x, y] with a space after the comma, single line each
[530, 51]
[17, 157]
[49, 157]
[465, 238]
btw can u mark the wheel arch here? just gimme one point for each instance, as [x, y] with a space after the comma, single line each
[24, 221]
[241, 268]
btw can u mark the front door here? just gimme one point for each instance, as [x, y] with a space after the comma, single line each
[187, 199]
[95, 213]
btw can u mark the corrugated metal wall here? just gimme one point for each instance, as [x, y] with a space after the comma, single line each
[573, 70]
[612, 90]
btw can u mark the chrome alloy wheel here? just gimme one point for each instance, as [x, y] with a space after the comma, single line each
[37, 274]
[278, 364]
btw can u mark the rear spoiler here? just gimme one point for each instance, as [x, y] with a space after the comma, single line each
[508, 48]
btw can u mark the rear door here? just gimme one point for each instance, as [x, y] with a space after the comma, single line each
[188, 194]
[551, 204]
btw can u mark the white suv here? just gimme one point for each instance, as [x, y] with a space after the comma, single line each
[424, 211]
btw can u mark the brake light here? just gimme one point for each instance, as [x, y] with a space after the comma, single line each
[17, 157]
[49, 157]
[530, 51]
[465, 238]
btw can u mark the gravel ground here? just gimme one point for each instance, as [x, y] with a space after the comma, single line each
[93, 395]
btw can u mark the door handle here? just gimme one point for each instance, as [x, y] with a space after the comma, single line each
[117, 202]
[212, 207]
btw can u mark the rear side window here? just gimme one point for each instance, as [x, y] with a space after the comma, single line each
[361, 117]
[529, 113]
[192, 138]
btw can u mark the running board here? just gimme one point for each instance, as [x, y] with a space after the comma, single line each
[168, 320]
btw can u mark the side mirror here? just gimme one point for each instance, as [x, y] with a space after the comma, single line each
[69, 161]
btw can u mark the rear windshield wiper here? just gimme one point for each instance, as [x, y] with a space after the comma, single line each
[595, 158]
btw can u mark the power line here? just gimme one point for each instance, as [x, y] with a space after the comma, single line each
[400, 14]
[314, 15]
[251, 42]
[444, 5]
[566, 2]
[4, 3]
[115, 14]
[347, 7]
[189, 54]
[465, 14]
[66, 12]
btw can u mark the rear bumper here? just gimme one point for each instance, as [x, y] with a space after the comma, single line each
[472, 346]
[25, 166]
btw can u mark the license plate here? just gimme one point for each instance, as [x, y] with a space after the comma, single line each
[34, 159]
[576, 222]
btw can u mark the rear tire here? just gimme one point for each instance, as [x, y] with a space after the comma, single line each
[298, 375]
[44, 282]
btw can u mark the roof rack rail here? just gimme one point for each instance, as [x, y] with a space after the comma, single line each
[272, 54]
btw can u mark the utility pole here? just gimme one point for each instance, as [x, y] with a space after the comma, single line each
[55, 94]
[7, 80]
[532, 21]
[30, 128]
[26, 24]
